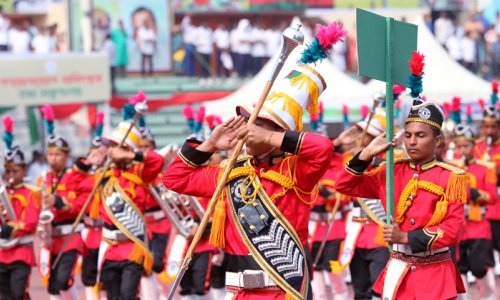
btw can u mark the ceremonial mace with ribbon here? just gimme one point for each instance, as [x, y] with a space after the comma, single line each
[140, 109]
[292, 37]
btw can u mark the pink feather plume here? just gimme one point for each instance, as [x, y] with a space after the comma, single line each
[200, 115]
[314, 118]
[99, 118]
[345, 109]
[139, 97]
[47, 112]
[446, 109]
[364, 110]
[494, 87]
[468, 110]
[321, 107]
[329, 35]
[8, 124]
[188, 112]
[397, 105]
[417, 63]
[481, 103]
[455, 104]
[398, 89]
[213, 121]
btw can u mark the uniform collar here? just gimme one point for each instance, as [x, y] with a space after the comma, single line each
[273, 160]
[17, 186]
[423, 166]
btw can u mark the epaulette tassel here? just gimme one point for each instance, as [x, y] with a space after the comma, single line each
[142, 256]
[456, 191]
[217, 234]
[379, 237]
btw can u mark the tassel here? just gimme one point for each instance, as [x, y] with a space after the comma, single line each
[217, 234]
[94, 207]
[97, 288]
[491, 175]
[379, 237]
[289, 105]
[475, 212]
[142, 256]
[456, 191]
[439, 213]
[312, 90]
[289, 297]
[165, 278]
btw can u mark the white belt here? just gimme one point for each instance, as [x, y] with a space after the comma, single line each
[249, 279]
[155, 215]
[61, 230]
[114, 235]
[323, 216]
[406, 249]
[91, 222]
[8, 243]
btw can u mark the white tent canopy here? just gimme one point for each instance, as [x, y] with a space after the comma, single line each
[341, 89]
[443, 78]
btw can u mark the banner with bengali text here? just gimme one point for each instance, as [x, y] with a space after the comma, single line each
[53, 79]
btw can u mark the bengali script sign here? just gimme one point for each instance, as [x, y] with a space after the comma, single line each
[53, 79]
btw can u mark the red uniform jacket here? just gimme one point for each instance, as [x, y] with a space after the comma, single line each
[68, 190]
[323, 204]
[493, 211]
[432, 281]
[25, 200]
[483, 179]
[305, 168]
[144, 170]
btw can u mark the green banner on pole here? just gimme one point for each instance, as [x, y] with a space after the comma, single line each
[372, 46]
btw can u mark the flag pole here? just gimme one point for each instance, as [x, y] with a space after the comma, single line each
[389, 158]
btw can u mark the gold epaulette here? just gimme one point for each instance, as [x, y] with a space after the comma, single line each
[241, 157]
[456, 163]
[32, 187]
[487, 164]
[452, 168]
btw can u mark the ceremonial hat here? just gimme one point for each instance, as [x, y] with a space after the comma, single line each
[99, 125]
[54, 141]
[377, 124]
[426, 112]
[464, 132]
[128, 112]
[300, 89]
[491, 112]
[297, 92]
[14, 154]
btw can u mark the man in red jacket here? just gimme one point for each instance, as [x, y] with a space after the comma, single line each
[429, 212]
[264, 210]
[123, 195]
[17, 256]
[476, 248]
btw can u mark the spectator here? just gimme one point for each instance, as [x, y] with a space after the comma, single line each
[428, 22]
[453, 44]
[100, 31]
[54, 41]
[109, 49]
[204, 47]
[37, 166]
[242, 47]
[495, 57]
[119, 37]
[189, 36]
[31, 28]
[19, 39]
[41, 43]
[222, 43]
[258, 37]
[468, 46]
[146, 39]
[4, 31]
[443, 28]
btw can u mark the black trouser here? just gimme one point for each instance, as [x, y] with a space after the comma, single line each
[495, 233]
[196, 279]
[61, 278]
[475, 256]
[218, 274]
[121, 279]
[365, 267]
[89, 267]
[112, 75]
[14, 281]
[149, 59]
[205, 65]
[158, 244]
[330, 252]
[4, 48]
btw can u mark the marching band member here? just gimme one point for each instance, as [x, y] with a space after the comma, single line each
[20, 205]
[124, 255]
[63, 187]
[429, 209]
[265, 209]
[476, 248]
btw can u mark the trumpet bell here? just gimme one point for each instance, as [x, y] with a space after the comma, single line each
[46, 217]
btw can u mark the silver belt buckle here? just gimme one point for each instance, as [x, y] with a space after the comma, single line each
[253, 279]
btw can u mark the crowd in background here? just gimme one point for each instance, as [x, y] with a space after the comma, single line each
[21, 36]
[472, 41]
[240, 50]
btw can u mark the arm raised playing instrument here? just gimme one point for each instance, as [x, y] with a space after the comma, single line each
[44, 228]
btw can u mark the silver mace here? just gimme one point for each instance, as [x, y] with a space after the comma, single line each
[292, 37]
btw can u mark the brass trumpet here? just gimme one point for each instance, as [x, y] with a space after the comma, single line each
[44, 228]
